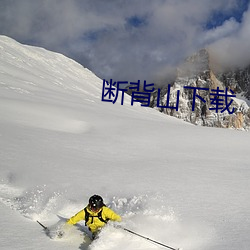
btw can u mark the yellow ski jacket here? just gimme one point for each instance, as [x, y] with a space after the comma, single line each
[94, 223]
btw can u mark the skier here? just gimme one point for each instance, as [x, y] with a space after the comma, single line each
[95, 214]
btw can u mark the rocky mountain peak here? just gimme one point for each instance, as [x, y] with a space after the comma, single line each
[196, 76]
[199, 66]
[196, 64]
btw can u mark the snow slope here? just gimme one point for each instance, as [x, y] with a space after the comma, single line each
[176, 183]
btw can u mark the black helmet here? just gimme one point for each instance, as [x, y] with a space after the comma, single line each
[96, 202]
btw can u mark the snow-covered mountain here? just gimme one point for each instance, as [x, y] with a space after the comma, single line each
[182, 185]
[198, 76]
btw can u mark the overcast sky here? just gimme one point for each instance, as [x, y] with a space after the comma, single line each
[131, 39]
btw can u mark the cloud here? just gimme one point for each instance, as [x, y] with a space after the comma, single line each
[123, 40]
[233, 49]
[228, 28]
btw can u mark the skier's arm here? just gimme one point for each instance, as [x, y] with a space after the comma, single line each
[110, 214]
[77, 217]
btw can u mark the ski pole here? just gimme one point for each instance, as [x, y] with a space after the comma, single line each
[45, 228]
[146, 238]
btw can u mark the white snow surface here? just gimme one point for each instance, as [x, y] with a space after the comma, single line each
[182, 185]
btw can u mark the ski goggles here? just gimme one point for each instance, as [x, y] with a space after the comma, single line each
[94, 208]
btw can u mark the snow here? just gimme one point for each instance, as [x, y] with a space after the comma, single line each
[182, 185]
